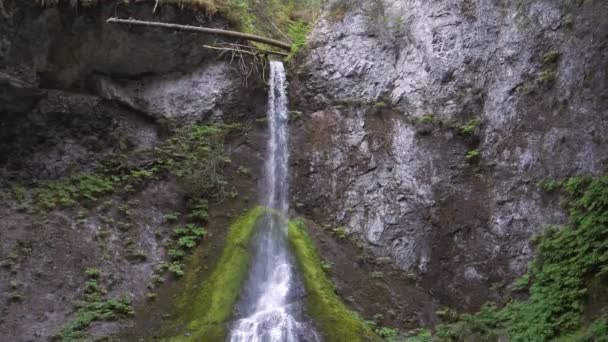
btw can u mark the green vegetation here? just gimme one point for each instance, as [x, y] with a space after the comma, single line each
[568, 260]
[172, 217]
[380, 104]
[267, 17]
[546, 75]
[425, 119]
[297, 33]
[89, 186]
[94, 308]
[184, 239]
[335, 321]
[213, 303]
[67, 192]
[340, 232]
[465, 129]
[567, 7]
[199, 210]
[195, 154]
[551, 57]
[473, 156]
[469, 128]
[376, 275]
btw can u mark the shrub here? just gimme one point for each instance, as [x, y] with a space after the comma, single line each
[298, 33]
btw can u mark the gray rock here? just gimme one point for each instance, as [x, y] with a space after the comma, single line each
[413, 197]
[185, 96]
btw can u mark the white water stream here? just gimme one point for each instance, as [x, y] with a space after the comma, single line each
[272, 296]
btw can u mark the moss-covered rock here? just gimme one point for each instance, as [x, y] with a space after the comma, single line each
[212, 305]
[334, 320]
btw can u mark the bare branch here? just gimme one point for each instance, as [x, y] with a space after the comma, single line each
[247, 36]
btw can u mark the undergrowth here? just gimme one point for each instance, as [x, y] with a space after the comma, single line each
[184, 239]
[93, 308]
[297, 33]
[568, 258]
[195, 155]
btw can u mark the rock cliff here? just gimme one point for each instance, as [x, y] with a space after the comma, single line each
[428, 125]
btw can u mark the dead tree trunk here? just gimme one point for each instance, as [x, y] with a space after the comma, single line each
[247, 36]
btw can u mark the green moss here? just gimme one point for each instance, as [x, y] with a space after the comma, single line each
[335, 321]
[213, 303]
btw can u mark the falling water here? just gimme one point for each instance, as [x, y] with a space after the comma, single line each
[271, 300]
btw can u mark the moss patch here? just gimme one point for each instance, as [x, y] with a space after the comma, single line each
[213, 303]
[335, 321]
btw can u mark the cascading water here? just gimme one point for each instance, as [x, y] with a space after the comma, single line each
[271, 300]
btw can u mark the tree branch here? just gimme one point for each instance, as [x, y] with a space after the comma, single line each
[253, 49]
[247, 36]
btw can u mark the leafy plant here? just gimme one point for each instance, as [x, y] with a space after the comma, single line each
[199, 210]
[184, 239]
[469, 128]
[298, 32]
[473, 156]
[196, 155]
[326, 266]
[340, 233]
[388, 334]
[94, 308]
[376, 275]
[425, 119]
[176, 268]
[68, 191]
[172, 217]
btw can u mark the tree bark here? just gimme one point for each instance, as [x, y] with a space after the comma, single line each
[247, 36]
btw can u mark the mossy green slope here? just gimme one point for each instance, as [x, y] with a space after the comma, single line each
[213, 304]
[334, 320]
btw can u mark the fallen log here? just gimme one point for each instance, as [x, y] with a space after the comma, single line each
[207, 30]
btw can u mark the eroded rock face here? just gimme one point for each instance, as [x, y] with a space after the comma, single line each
[387, 87]
[189, 96]
[74, 89]
[75, 93]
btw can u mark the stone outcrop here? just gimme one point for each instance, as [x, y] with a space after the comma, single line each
[388, 88]
[66, 74]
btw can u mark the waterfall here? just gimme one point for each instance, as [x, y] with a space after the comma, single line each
[271, 301]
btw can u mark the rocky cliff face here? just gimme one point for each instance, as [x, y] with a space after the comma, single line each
[76, 94]
[424, 130]
[75, 88]
[428, 124]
